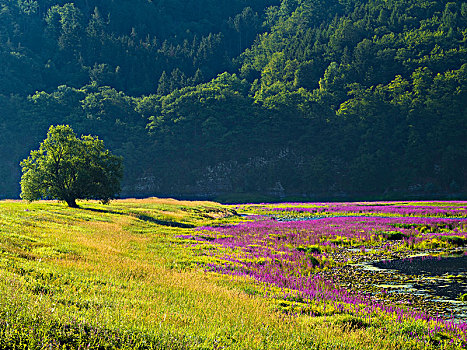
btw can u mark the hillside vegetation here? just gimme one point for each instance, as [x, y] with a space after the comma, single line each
[291, 97]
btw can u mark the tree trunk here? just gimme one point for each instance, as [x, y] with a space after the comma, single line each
[72, 203]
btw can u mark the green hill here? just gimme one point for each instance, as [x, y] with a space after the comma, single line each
[311, 98]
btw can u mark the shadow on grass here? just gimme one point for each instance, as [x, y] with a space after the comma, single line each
[146, 218]
[103, 211]
[164, 222]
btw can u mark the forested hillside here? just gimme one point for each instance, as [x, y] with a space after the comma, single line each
[208, 97]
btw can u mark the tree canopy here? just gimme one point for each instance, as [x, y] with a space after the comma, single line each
[324, 97]
[67, 168]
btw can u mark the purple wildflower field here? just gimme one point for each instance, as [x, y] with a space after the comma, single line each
[316, 259]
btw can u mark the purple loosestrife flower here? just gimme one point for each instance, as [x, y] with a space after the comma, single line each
[290, 254]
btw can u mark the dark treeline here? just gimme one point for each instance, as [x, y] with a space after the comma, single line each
[314, 97]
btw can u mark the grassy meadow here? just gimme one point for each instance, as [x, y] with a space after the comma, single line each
[144, 274]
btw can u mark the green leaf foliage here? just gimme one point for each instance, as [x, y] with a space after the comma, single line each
[67, 168]
[317, 98]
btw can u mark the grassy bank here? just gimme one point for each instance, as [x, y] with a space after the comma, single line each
[125, 276]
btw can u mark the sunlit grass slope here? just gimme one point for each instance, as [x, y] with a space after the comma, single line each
[119, 276]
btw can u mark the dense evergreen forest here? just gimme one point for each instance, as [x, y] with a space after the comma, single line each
[319, 98]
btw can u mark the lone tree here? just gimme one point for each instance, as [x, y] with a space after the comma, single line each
[67, 168]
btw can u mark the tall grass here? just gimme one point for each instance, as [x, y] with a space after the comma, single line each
[118, 276]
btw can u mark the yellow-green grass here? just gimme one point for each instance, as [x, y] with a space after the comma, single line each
[118, 276]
